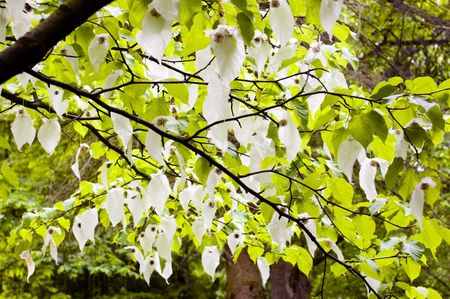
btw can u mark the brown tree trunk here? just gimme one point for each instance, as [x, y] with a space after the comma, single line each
[243, 278]
[288, 282]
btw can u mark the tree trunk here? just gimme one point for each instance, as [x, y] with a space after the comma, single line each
[288, 282]
[243, 278]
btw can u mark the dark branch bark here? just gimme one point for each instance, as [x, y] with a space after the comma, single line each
[33, 46]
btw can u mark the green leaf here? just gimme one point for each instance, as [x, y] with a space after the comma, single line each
[416, 134]
[421, 85]
[202, 169]
[411, 268]
[436, 117]
[360, 130]
[408, 184]
[382, 90]
[377, 122]
[9, 175]
[245, 27]
[394, 169]
[179, 91]
[343, 191]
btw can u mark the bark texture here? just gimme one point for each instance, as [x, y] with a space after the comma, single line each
[243, 278]
[33, 46]
[288, 282]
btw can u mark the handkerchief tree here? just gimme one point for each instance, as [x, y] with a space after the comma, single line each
[227, 125]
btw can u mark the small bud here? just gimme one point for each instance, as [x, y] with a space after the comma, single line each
[283, 122]
[155, 13]
[275, 3]
[373, 163]
[424, 186]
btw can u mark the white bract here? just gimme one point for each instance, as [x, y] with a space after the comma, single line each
[228, 46]
[348, 152]
[418, 198]
[156, 32]
[153, 146]
[49, 134]
[75, 168]
[329, 13]
[26, 255]
[84, 227]
[122, 127]
[264, 269]
[50, 241]
[98, 49]
[210, 260]
[58, 104]
[367, 176]
[157, 192]
[23, 129]
[114, 205]
[235, 239]
[281, 20]
[136, 204]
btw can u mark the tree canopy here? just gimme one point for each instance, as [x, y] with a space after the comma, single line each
[312, 133]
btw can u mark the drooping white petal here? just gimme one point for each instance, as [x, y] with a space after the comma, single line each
[194, 194]
[367, 178]
[199, 228]
[69, 52]
[137, 255]
[49, 134]
[167, 8]
[156, 33]
[290, 137]
[374, 284]
[23, 129]
[157, 192]
[333, 246]
[210, 260]
[84, 227]
[214, 178]
[264, 269]
[209, 209]
[260, 51]
[279, 230]
[114, 205]
[98, 49]
[49, 240]
[167, 272]
[169, 226]
[164, 246]
[234, 240]
[110, 81]
[228, 46]
[5, 15]
[348, 152]
[136, 204]
[153, 146]
[215, 106]
[147, 238]
[21, 17]
[311, 227]
[75, 168]
[418, 198]
[122, 127]
[314, 102]
[58, 104]
[150, 264]
[281, 20]
[329, 13]
[26, 255]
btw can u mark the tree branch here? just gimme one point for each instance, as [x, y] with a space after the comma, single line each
[33, 46]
